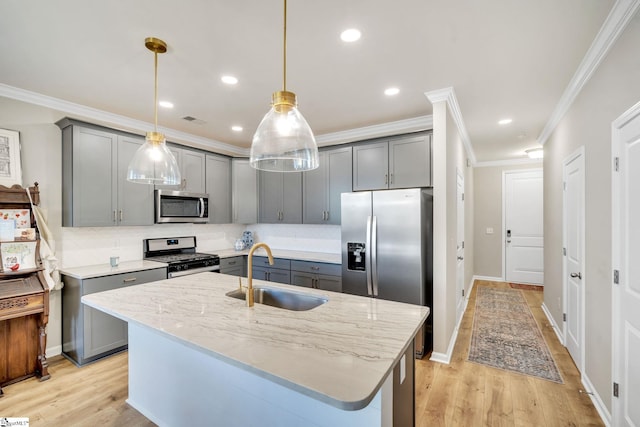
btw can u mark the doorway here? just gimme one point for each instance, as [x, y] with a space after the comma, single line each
[626, 274]
[459, 244]
[573, 249]
[523, 249]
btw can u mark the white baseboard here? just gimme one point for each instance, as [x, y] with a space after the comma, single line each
[489, 278]
[53, 351]
[597, 401]
[556, 328]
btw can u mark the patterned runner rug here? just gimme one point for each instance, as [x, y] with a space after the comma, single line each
[505, 335]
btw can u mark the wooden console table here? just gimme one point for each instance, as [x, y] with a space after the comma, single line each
[24, 306]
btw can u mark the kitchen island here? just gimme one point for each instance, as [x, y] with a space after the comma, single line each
[199, 357]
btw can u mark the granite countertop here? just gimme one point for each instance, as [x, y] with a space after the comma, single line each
[339, 353]
[329, 258]
[99, 270]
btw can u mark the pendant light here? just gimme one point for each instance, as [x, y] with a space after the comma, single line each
[153, 163]
[284, 141]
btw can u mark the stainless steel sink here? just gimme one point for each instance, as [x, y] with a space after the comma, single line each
[281, 298]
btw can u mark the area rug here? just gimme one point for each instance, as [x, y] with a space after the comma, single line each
[506, 336]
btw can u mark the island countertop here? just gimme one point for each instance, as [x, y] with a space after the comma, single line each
[339, 353]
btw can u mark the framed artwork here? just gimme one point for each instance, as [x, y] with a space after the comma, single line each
[10, 169]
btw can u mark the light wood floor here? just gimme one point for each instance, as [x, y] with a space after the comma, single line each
[459, 394]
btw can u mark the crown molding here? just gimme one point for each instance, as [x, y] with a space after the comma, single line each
[115, 120]
[617, 20]
[385, 129]
[449, 96]
[509, 162]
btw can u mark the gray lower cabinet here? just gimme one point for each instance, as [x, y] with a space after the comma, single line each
[95, 190]
[218, 186]
[279, 272]
[399, 162]
[322, 187]
[280, 197]
[89, 334]
[233, 266]
[244, 192]
[316, 275]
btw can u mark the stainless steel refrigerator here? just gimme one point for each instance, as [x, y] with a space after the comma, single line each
[387, 249]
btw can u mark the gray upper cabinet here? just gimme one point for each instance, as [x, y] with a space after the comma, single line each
[95, 190]
[218, 186]
[244, 189]
[280, 200]
[192, 170]
[322, 187]
[402, 162]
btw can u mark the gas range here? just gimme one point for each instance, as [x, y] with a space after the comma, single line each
[180, 255]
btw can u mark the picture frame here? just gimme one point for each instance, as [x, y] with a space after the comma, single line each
[10, 166]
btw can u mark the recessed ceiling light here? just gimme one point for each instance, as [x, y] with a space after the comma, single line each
[392, 91]
[535, 153]
[350, 35]
[165, 104]
[236, 128]
[504, 121]
[230, 80]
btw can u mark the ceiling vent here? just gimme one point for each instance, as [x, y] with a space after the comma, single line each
[194, 120]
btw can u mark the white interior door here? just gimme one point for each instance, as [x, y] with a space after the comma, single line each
[626, 253]
[573, 251]
[523, 227]
[460, 245]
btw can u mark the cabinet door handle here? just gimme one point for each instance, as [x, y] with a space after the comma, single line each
[114, 216]
[391, 179]
[132, 279]
[327, 218]
[386, 178]
[120, 215]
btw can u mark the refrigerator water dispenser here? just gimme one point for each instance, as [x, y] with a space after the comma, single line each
[355, 256]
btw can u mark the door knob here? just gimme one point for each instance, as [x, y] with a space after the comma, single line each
[578, 275]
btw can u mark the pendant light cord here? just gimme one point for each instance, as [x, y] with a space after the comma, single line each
[155, 92]
[284, 68]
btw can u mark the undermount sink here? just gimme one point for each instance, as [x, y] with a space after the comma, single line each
[281, 298]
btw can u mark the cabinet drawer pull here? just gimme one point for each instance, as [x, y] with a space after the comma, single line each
[133, 279]
[315, 268]
[231, 263]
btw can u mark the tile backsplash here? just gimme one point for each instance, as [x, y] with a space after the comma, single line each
[81, 246]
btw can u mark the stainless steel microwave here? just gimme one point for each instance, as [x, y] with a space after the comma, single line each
[181, 206]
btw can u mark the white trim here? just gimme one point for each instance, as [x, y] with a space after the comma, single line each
[53, 351]
[489, 278]
[617, 20]
[512, 162]
[448, 95]
[605, 415]
[559, 331]
[580, 152]
[385, 129]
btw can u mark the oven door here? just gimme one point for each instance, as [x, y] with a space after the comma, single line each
[181, 206]
[172, 274]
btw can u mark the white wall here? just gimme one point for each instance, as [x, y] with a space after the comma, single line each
[613, 88]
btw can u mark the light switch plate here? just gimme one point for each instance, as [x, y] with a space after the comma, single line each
[489, 230]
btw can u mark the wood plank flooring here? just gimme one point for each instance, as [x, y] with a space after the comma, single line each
[459, 394]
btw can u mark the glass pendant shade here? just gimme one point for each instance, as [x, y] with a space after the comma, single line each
[153, 163]
[284, 141]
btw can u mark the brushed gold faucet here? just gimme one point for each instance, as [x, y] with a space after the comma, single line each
[249, 294]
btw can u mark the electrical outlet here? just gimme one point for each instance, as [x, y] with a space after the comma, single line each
[489, 230]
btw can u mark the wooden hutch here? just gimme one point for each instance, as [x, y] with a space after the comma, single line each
[24, 305]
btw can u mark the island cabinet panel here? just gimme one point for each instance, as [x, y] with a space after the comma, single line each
[89, 334]
[322, 187]
[280, 197]
[218, 186]
[95, 190]
[233, 266]
[399, 162]
[244, 189]
[316, 275]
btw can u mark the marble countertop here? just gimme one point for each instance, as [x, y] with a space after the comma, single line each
[329, 258]
[99, 270]
[339, 353]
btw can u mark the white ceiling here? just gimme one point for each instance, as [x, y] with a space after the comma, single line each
[504, 58]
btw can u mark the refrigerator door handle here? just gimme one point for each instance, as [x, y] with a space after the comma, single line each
[374, 255]
[367, 258]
